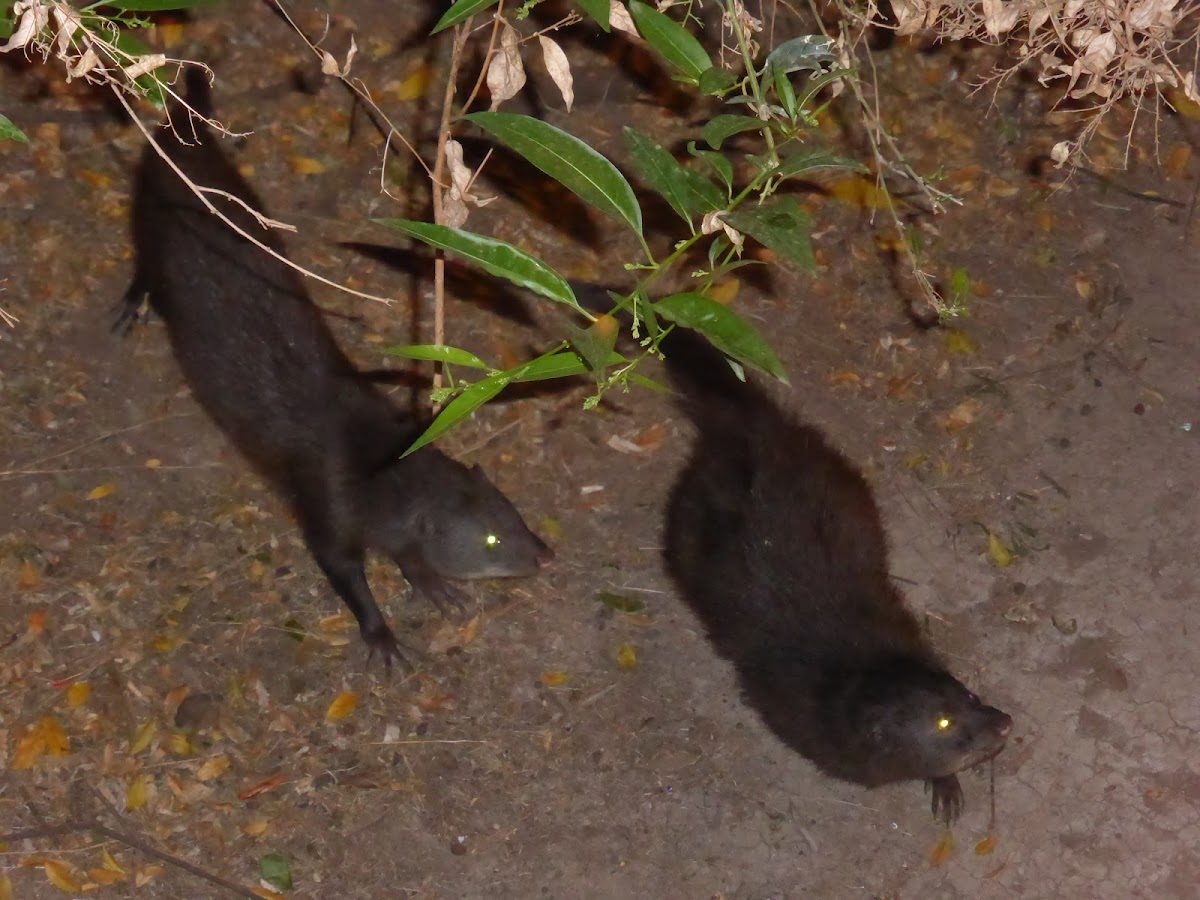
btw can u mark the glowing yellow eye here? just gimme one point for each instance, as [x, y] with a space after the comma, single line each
[943, 723]
[492, 540]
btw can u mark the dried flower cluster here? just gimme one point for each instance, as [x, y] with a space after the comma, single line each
[1106, 49]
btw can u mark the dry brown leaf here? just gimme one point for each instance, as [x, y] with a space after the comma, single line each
[146, 874]
[555, 679]
[506, 74]
[941, 852]
[1178, 160]
[469, 630]
[559, 69]
[104, 876]
[987, 846]
[36, 626]
[262, 787]
[28, 577]
[845, 377]
[900, 388]
[652, 437]
[961, 416]
[620, 19]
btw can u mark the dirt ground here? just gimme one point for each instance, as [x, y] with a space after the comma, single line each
[139, 556]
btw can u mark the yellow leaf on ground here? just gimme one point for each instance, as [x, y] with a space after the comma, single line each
[171, 33]
[1185, 106]
[998, 553]
[725, 290]
[77, 694]
[111, 863]
[627, 656]
[858, 191]
[958, 341]
[413, 86]
[61, 875]
[306, 165]
[6, 888]
[142, 737]
[555, 679]
[256, 827]
[212, 768]
[180, 744]
[105, 876]
[344, 704]
[138, 792]
[100, 491]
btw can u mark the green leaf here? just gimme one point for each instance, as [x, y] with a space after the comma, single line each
[561, 365]
[718, 128]
[806, 159]
[784, 91]
[689, 193]
[814, 85]
[620, 602]
[10, 132]
[672, 41]
[558, 365]
[598, 10]
[718, 163]
[728, 332]
[439, 353]
[567, 160]
[276, 871]
[716, 81]
[811, 51]
[781, 226]
[594, 345]
[497, 257]
[461, 408]
[463, 9]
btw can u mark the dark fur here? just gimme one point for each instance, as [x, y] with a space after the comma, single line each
[261, 361]
[775, 541]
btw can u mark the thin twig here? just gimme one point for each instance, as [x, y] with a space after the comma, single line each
[199, 192]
